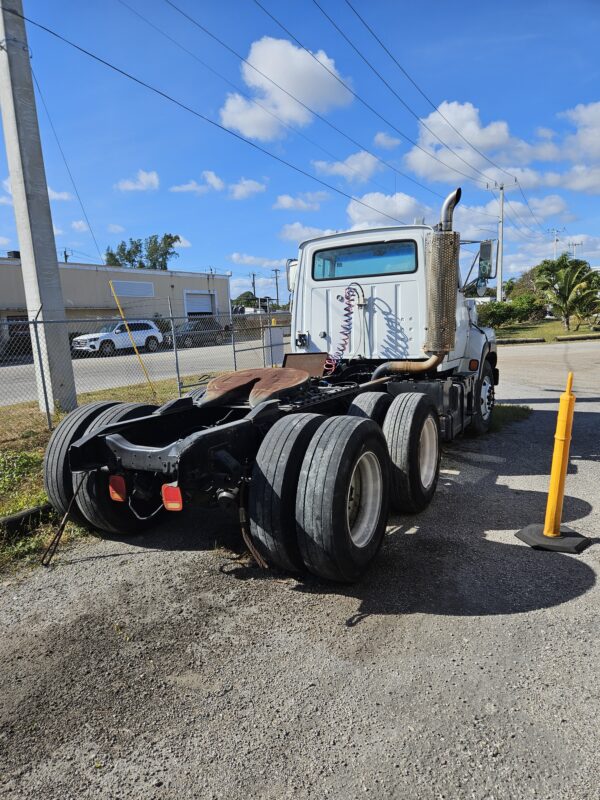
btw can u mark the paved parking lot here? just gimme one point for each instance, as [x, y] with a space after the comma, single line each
[465, 665]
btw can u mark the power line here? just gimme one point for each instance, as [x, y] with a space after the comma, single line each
[201, 116]
[394, 92]
[436, 109]
[247, 96]
[64, 158]
[318, 116]
[422, 93]
[359, 98]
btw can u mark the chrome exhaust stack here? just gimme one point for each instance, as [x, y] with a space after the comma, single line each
[448, 207]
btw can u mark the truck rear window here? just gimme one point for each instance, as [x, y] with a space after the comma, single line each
[365, 260]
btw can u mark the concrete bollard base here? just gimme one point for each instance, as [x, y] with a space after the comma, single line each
[569, 540]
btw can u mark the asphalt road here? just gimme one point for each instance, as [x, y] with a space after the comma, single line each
[17, 381]
[465, 665]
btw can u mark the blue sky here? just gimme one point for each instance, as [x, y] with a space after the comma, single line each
[520, 82]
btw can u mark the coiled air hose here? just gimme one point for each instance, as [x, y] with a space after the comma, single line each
[352, 293]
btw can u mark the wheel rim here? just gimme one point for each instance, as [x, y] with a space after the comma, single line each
[152, 344]
[428, 452]
[188, 341]
[363, 501]
[486, 398]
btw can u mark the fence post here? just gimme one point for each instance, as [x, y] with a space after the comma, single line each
[175, 348]
[38, 348]
[233, 344]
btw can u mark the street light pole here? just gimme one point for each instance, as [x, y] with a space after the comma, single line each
[39, 263]
[499, 292]
[277, 271]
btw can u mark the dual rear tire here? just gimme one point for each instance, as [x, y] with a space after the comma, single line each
[322, 486]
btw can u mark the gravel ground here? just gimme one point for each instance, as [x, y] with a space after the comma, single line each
[463, 666]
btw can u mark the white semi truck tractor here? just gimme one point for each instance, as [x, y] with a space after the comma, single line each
[388, 360]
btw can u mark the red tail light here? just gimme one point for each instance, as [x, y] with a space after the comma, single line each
[117, 488]
[171, 497]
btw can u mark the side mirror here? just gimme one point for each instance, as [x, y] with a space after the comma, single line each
[485, 261]
[291, 266]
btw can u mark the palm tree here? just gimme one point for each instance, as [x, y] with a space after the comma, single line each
[570, 286]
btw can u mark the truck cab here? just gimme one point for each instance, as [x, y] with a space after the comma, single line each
[387, 270]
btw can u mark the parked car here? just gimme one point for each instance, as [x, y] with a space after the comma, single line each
[198, 332]
[114, 336]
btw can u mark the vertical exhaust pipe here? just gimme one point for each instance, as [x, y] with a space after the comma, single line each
[442, 285]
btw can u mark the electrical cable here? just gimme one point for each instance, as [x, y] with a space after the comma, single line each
[360, 99]
[201, 116]
[64, 158]
[318, 116]
[260, 105]
[395, 93]
[436, 109]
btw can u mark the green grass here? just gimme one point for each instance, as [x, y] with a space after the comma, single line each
[547, 329]
[506, 414]
[28, 548]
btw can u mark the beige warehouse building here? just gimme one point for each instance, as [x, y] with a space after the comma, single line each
[144, 294]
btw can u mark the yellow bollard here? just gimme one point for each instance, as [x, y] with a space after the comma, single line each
[552, 535]
[560, 460]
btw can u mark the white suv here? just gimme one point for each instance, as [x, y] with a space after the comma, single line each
[113, 336]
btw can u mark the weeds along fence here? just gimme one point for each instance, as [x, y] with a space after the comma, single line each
[174, 355]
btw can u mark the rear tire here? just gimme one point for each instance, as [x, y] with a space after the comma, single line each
[342, 499]
[58, 481]
[94, 499]
[371, 405]
[188, 342]
[272, 498]
[412, 433]
[483, 402]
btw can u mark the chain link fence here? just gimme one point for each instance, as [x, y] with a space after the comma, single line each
[146, 359]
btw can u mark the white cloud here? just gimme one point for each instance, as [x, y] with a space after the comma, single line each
[58, 195]
[359, 167]
[386, 141]
[400, 206]
[256, 261]
[245, 188]
[297, 232]
[57, 231]
[294, 70]
[305, 201]
[585, 142]
[4, 241]
[190, 186]
[6, 185]
[265, 287]
[582, 178]
[183, 242]
[113, 228]
[80, 226]
[6, 200]
[143, 182]
[213, 180]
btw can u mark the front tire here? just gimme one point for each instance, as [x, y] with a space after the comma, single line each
[152, 344]
[342, 499]
[107, 348]
[412, 433]
[483, 402]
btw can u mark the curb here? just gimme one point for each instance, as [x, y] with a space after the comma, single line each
[519, 341]
[24, 521]
[578, 337]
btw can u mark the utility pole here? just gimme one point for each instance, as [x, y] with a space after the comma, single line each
[253, 277]
[573, 245]
[554, 232]
[39, 263]
[277, 271]
[499, 292]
